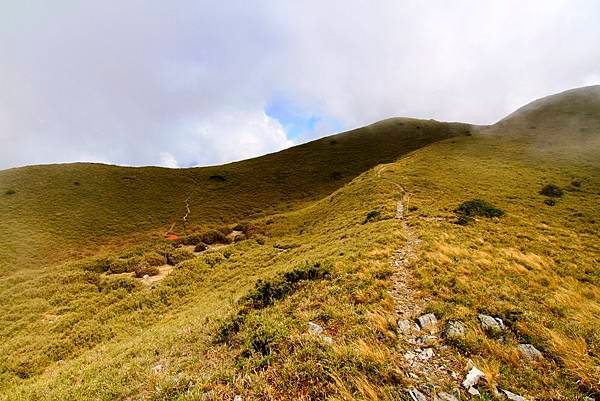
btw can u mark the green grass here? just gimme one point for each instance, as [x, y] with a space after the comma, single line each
[50, 218]
[72, 332]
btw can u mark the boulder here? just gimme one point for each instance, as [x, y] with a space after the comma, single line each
[314, 328]
[489, 323]
[428, 322]
[455, 329]
[530, 352]
[472, 378]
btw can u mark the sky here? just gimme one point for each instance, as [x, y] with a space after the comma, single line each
[192, 83]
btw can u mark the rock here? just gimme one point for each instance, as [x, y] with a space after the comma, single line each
[409, 355]
[405, 326]
[429, 340]
[314, 328]
[455, 329]
[426, 354]
[489, 323]
[157, 368]
[513, 396]
[472, 378]
[237, 398]
[530, 352]
[442, 396]
[473, 391]
[145, 276]
[208, 395]
[327, 340]
[416, 395]
[428, 322]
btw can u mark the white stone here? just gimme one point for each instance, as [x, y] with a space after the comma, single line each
[314, 328]
[530, 352]
[428, 322]
[426, 354]
[455, 329]
[513, 396]
[473, 377]
[473, 391]
[490, 323]
[237, 398]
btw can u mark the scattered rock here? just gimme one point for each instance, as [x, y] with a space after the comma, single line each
[489, 323]
[157, 368]
[237, 398]
[314, 328]
[428, 322]
[208, 395]
[327, 340]
[405, 326]
[530, 352]
[442, 396]
[513, 396]
[429, 340]
[426, 354]
[473, 391]
[416, 395]
[455, 329]
[472, 378]
[145, 276]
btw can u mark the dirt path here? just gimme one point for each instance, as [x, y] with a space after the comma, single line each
[429, 364]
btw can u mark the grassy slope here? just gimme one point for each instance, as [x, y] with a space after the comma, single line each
[535, 267]
[50, 218]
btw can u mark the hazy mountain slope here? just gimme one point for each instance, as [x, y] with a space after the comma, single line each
[575, 109]
[61, 210]
[72, 332]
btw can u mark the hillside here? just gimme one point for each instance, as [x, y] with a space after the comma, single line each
[61, 211]
[320, 296]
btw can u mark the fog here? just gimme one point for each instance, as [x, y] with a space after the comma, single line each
[189, 83]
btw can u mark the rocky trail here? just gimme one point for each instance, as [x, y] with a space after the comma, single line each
[434, 369]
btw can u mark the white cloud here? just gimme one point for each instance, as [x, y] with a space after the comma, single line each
[167, 160]
[127, 81]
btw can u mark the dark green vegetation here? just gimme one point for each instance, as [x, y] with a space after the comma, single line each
[233, 319]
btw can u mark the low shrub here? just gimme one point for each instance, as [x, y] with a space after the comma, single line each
[265, 293]
[120, 265]
[551, 190]
[10, 192]
[478, 207]
[550, 201]
[214, 237]
[336, 176]
[243, 227]
[144, 269]
[373, 215]
[179, 255]
[576, 183]
[217, 177]
[284, 247]
[154, 259]
[99, 265]
[239, 237]
[201, 247]
[213, 258]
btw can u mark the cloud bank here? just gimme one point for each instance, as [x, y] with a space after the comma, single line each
[187, 83]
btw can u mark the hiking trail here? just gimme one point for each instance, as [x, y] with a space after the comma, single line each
[429, 363]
